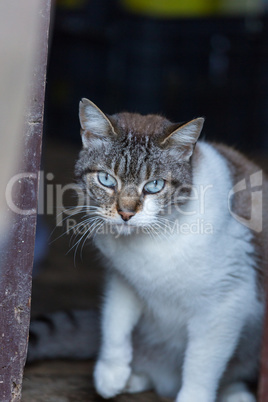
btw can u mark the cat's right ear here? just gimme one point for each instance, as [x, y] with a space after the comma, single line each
[95, 125]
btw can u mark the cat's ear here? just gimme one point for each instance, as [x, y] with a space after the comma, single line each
[95, 125]
[184, 138]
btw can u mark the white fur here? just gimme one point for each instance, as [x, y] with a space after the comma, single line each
[237, 392]
[192, 296]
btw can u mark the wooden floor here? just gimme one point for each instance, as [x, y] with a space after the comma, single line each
[69, 382]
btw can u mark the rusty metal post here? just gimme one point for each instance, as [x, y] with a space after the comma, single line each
[17, 253]
[263, 381]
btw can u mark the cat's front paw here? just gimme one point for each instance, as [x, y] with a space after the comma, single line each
[110, 378]
[195, 394]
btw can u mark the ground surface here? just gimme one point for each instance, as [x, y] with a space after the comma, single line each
[69, 382]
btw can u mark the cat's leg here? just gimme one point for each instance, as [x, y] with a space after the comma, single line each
[121, 312]
[213, 335]
[243, 368]
[236, 392]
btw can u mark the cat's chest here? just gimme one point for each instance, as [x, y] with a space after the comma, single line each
[163, 272]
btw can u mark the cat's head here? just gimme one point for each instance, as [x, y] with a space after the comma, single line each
[134, 167]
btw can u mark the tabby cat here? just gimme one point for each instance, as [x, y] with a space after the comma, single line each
[182, 230]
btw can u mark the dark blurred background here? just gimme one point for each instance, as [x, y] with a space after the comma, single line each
[180, 58]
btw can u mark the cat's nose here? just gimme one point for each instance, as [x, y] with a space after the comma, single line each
[125, 215]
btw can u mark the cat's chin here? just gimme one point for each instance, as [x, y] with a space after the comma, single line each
[124, 229]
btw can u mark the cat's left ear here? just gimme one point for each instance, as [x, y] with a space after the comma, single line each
[184, 138]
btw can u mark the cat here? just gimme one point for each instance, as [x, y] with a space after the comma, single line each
[183, 311]
[183, 236]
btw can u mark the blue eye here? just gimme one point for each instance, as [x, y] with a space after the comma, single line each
[154, 186]
[106, 179]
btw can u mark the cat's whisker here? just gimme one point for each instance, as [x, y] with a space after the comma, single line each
[59, 223]
[88, 209]
[85, 236]
[68, 230]
[167, 229]
[101, 225]
[150, 232]
[82, 224]
[85, 223]
[76, 245]
[90, 231]
[97, 223]
[77, 210]
[162, 231]
[165, 219]
[69, 207]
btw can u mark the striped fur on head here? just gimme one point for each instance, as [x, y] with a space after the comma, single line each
[135, 150]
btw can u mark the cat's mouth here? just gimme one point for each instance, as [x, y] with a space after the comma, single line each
[124, 228]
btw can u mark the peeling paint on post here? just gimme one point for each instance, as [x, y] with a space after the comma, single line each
[17, 256]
